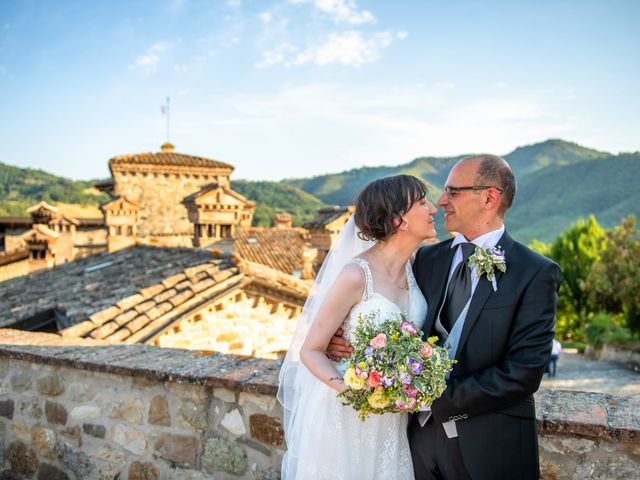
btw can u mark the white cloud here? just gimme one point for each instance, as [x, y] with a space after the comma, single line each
[181, 68]
[145, 61]
[500, 85]
[265, 17]
[341, 11]
[351, 48]
[151, 57]
[280, 55]
[402, 35]
[371, 125]
[234, 3]
[160, 47]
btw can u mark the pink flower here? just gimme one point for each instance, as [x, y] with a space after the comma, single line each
[411, 403]
[378, 341]
[374, 379]
[409, 328]
[427, 350]
[410, 391]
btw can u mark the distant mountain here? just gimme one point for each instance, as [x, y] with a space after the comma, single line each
[531, 158]
[20, 188]
[342, 188]
[551, 198]
[558, 182]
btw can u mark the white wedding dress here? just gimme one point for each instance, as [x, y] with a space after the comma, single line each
[334, 444]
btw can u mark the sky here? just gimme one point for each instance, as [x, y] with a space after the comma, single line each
[295, 88]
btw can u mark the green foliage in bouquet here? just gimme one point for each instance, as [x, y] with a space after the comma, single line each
[392, 370]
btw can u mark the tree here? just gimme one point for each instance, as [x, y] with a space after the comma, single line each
[614, 281]
[576, 251]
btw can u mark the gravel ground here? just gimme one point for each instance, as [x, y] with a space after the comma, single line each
[577, 372]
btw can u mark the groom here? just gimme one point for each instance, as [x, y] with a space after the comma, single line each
[484, 425]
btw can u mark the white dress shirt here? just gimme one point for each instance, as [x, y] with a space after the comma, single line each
[488, 240]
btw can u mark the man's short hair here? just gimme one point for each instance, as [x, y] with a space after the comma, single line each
[496, 172]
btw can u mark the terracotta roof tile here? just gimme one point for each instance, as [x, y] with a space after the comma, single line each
[281, 249]
[325, 216]
[168, 158]
[135, 294]
[77, 290]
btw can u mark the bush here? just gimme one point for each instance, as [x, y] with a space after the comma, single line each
[576, 251]
[580, 346]
[606, 328]
[597, 329]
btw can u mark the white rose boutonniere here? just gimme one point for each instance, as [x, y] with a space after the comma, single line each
[487, 261]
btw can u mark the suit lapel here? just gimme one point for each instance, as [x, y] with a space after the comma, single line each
[482, 293]
[437, 284]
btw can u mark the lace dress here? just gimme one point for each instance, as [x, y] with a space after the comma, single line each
[335, 444]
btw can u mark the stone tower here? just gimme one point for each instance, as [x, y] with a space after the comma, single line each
[166, 183]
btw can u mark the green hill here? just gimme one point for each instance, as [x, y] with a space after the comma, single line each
[558, 182]
[531, 158]
[552, 198]
[342, 188]
[21, 188]
[276, 197]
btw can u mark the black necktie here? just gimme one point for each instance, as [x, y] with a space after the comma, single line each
[459, 289]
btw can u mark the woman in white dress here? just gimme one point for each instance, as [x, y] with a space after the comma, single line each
[369, 270]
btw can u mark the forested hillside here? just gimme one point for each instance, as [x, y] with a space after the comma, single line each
[558, 182]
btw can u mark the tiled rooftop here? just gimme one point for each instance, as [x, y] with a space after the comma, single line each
[168, 158]
[86, 286]
[281, 249]
[132, 295]
[325, 216]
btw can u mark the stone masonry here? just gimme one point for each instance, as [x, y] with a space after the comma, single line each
[79, 409]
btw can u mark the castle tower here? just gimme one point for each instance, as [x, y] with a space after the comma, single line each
[49, 217]
[120, 217]
[162, 185]
[41, 243]
[216, 211]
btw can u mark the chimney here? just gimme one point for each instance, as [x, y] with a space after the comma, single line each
[282, 220]
[309, 257]
[167, 147]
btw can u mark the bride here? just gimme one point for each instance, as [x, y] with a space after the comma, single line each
[368, 270]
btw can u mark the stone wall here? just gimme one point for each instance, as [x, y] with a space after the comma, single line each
[86, 238]
[163, 214]
[14, 269]
[138, 412]
[236, 324]
[624, 356]
[13, 239]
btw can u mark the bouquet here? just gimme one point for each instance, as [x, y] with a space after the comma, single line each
[391, 369]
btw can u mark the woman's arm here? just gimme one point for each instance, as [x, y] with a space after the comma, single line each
[346, 291]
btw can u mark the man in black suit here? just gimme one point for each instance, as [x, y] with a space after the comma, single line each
[484, 425]
[500, 332]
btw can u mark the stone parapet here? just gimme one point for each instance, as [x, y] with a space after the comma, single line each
[73, 408]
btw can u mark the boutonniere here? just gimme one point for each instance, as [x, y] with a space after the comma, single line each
[487, 261]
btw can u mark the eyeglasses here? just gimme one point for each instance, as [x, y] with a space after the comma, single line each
[452, 191]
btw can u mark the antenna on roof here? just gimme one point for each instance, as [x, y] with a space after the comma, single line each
[165, 111]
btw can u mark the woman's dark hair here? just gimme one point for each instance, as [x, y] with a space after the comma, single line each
[385, 201]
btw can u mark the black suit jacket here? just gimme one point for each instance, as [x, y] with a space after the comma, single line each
[504, 347]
